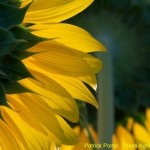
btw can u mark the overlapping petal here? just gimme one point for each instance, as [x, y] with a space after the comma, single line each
[41, 114]
[28, 136]
[53, 11]
[65, 32]
[124, 136]
[134, 135]
[7, 139]
[60, 59]
[58, 69]
[84, 142]
[54, 95]
[139, 130]
[74, 86]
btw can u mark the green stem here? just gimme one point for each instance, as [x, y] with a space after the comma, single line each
[105, 98]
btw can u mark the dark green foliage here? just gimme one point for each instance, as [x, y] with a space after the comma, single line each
[12, 87]
[13, 68]
[2, 96]
[125, 102]
[3, 1]
[22, 54]
[28, 39]
[10, 15]
[15, 39]
[7, 42]
[14, 2]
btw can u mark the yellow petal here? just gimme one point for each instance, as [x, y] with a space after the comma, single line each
[70, 137]
[147, 124]
[148, 114]
[7, 140]
[46, 11]
[16, 104]
[70, 113]
[43, 115]
[115, 141]
[84, 139]
[69, 35]
[53, 126]
[74, 86]
[33, 138]
[130, 122]
[124, 138]
[141, 134]
[65, 61]
[55, 95]
[90, 80]
[147, 121]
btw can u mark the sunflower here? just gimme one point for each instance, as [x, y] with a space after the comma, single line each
[135, 133]
[129, 134]
[44, 65]
[84, 143]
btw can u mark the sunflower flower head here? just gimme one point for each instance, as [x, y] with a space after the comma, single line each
[43, 67]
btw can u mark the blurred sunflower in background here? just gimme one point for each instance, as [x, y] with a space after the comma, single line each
[85, 140]
[123, 27]
[132, 134]
[44, 66]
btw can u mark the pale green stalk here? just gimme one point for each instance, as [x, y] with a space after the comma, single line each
[106, 102]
